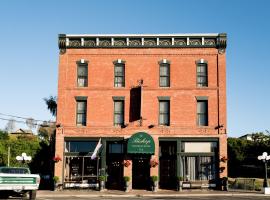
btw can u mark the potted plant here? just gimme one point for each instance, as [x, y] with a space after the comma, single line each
[154, 183]
[102, 180]
[225, 183]
[57, 158]
[56, 182]
[127, 183]
[153, 163]
[126, 163]
[180, 180]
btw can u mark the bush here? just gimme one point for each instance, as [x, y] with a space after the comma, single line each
[56, 179]
[101, 178]
[126, 178]
[154, 178]
[179, 178]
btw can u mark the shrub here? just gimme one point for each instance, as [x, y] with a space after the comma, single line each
[126, 178]
[56, 179]
[101, 178]
[154, 178]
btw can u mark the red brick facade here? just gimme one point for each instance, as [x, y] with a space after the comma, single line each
[142, 64]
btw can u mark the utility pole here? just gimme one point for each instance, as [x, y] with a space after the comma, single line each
[8, 154]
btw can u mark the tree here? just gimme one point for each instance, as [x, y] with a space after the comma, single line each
[46, 131]
[10, 127]
[51, 104]
[31, 123]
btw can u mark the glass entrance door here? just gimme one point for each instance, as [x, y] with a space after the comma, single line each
[167, 164]
[141, 172]
[115, 168]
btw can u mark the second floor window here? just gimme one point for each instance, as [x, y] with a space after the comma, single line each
[82, 74]
[119, 112]
[164, 74]
[202, 74]
[164, 112]
[202, 113]
[81, 112]
[119, 75]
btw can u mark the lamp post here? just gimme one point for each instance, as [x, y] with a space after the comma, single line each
[264, 157]
[23, 158]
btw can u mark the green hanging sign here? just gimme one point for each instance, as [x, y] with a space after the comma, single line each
[141, 142]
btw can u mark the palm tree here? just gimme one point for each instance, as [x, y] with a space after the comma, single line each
[51, 104]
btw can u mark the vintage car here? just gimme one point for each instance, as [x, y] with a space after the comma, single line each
[18, 181]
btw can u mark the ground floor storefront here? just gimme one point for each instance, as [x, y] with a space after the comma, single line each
[195, 161]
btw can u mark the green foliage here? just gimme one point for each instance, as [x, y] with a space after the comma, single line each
[243, 154]
[101, 178]
[51, 104]
[179, 178]
[3, 135]
[154, 178]
[56, 179]
[126, 178]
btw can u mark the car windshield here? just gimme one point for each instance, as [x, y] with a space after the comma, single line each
[14, 170]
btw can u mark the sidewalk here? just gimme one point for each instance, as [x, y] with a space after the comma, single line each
[142, 193]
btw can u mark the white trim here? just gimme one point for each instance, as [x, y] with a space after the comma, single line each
[82, 41]
[145, 35]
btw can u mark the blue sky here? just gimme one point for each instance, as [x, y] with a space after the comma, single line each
[29, 49]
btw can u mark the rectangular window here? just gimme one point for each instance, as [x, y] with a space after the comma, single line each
[82, 75]
[81, 112]
[164, 75]
[202, 112]
[164, 112]
[119, 112]
[202, 79]
[196, 168]
[119, 75]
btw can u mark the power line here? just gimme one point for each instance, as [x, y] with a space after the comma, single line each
[21, 117]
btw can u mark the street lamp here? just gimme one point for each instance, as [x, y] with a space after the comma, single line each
[264, 157]
[23, 158]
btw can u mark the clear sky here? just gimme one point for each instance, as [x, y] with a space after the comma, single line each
[29, 50]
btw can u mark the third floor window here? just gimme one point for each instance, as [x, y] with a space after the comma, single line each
[119, 74]
[164, 73]
[202, 73]
[82, 74]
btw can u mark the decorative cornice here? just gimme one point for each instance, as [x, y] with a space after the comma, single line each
[218, 41]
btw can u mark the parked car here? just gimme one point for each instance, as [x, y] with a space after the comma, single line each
[18, 181]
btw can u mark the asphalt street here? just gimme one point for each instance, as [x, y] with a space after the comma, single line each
[161, 198]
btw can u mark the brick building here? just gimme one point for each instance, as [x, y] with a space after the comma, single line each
[156, 102]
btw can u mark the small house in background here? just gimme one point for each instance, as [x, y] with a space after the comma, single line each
[22, 132]
[246, 137]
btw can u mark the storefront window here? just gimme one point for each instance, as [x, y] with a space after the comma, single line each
[198, 160]
[80, 168]
[198, 168]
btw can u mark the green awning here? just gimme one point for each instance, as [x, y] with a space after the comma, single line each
[141, 142]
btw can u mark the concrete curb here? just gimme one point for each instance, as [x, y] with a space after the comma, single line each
[149, 195]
